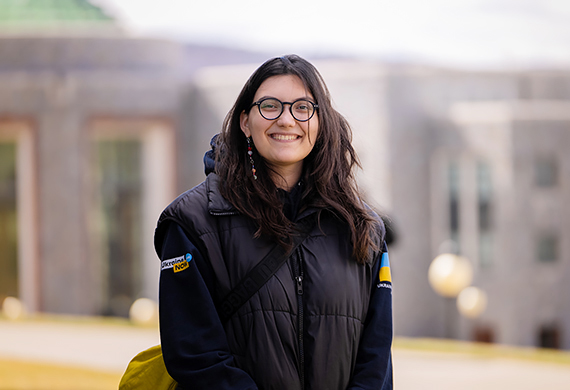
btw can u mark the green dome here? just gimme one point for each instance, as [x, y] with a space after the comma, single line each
[45, 13]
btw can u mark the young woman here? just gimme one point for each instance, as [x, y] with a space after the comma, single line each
[323, 320]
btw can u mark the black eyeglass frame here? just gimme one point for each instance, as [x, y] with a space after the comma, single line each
[258, 104]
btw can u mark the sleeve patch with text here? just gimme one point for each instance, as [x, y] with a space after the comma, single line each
[177, 263]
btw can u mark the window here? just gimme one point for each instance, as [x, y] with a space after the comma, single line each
[453, 178]
[8, 221]
[484, 205]
[547, 248]
[546, 172]
[120, 183]
[484, 192]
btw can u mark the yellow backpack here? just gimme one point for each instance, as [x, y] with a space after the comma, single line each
[147, 371]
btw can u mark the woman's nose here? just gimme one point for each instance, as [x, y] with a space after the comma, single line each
[286, 119]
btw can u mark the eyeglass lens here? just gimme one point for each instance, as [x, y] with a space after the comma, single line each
[302, 110]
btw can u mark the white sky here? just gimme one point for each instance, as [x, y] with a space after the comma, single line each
[472, 33]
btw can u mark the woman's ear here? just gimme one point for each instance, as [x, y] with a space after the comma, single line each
[244, 123]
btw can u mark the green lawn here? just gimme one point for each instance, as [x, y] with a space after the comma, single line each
[19, 375]
[24, 375]
[485, 350]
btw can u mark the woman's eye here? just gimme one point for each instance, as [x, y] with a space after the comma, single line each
[302, 106]
[269, 106]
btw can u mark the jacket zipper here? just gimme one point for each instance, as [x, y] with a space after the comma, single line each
[299, 284]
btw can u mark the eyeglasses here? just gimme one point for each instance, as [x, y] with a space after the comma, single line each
[270, 108]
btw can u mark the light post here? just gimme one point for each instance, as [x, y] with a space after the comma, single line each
[448, 275]
[13, 308]
[471, 302]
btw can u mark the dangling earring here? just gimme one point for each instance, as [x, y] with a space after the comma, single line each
[250, 154]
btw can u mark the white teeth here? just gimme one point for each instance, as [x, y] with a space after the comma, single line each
[283, 137]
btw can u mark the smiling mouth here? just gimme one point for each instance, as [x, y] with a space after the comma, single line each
[284, 137]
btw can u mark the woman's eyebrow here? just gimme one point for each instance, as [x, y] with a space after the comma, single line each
[273, 97]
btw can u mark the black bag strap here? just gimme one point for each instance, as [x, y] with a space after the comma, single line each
[258, 276]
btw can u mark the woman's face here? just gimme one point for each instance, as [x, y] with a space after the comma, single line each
[283, 142]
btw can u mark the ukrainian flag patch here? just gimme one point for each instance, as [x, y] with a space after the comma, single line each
[385, 275]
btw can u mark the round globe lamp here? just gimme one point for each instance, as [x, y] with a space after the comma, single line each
[144, 311]
[471, 302]
[13, 308]
[449, 274]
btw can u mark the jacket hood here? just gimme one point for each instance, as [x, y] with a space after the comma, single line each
[210, 157]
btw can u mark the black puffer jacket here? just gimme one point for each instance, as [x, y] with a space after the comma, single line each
[333, 331]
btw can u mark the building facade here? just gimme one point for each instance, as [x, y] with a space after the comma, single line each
[87, 133]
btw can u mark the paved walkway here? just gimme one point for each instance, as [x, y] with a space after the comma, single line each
[415, 370]
[110, 347]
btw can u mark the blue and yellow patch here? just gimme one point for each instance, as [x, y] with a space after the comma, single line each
[385, 275]
[177, 263]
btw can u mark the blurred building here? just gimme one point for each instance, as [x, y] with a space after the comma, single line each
[100, 130]
[87, 131]
[481, 158]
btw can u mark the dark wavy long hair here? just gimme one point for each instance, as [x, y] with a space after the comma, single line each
[328, 177]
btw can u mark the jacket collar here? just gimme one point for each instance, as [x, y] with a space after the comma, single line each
[217, 204]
